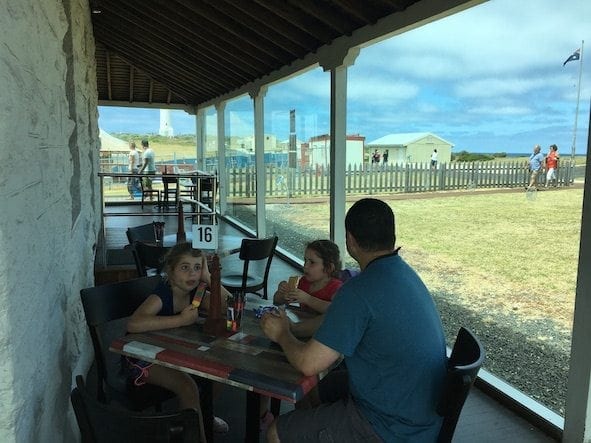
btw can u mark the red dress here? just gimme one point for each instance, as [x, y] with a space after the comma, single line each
[325, 293]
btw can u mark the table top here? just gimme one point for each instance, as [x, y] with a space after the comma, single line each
[245, 359]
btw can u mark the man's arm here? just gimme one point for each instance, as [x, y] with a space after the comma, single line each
[144, 165]
[307, 327]
[310, 358]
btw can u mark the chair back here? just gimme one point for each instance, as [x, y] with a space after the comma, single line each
[255, 250]
[144, 233]
[463, 365]
[254, 253]
[148, 258]
[106, 309]
[103, 423]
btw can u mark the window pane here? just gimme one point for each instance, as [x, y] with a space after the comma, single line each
[240, 170]
[296, 112]
[497, 259]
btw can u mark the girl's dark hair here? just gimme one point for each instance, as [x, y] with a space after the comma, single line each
[329, 252]
[174, 254]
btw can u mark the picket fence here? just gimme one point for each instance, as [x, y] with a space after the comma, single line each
[391, 178]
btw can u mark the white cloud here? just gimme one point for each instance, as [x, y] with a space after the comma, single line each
[494, 87]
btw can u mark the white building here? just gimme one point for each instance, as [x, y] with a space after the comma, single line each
[412, 147]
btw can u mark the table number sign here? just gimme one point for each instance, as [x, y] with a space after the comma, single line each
[205, 237]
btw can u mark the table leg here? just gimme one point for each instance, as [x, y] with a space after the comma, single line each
[206, 399]
[253, 406]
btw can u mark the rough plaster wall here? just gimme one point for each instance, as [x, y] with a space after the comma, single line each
[49, 212]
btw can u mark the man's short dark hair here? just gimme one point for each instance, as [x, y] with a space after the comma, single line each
[145, 143]
[371, 222]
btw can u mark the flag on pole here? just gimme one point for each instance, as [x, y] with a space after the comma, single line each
[574, 56]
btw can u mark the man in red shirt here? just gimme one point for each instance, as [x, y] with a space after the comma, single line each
[552, 165]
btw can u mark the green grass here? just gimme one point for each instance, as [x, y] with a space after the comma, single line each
[495, 252]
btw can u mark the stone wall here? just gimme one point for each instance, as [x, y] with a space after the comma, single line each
[49, 212]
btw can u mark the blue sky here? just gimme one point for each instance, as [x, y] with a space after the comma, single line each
[489, 79]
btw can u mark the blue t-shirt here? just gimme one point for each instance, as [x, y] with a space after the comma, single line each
[536, 161]
[385, 323]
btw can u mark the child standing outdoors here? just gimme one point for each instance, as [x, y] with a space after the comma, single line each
[170, 306]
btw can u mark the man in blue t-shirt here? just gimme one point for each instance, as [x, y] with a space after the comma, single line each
[535, 165]
[385, 324]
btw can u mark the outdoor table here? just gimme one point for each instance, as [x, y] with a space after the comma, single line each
[245, 359]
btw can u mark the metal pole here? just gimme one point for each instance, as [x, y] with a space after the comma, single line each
[573, 149]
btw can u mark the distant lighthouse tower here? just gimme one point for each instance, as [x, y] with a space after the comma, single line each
[165, 124]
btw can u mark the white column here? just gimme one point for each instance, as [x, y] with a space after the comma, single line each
[258, 97]
[223, 188]
[338, 63]
[577, 421]
[200, 139]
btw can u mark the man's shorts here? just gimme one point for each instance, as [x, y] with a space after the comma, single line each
[335, 422]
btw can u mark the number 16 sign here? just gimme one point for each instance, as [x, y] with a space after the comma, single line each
[205, 237]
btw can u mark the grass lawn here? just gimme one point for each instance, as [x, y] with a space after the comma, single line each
[495, 252]
[506, 252]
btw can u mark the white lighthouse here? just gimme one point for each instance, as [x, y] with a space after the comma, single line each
[165, 124]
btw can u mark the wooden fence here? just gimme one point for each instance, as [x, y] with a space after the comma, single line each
[397, 178]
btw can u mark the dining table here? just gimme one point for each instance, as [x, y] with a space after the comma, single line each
[244, 358]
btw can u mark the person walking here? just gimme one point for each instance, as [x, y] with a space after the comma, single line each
[133, 185]
[149, 165]
[375, 158]
[434, 159]
[534, 164]
[552, 165]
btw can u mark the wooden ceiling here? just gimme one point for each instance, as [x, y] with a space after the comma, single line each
[182, 53]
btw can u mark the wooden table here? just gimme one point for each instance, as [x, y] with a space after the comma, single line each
[246, 360]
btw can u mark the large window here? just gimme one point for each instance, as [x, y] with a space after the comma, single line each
[239, 161]
[497, 259]
[296, 114]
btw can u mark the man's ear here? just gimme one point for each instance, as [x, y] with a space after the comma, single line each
[351, 242]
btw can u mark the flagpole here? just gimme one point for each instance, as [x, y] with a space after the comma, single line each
[573, 149]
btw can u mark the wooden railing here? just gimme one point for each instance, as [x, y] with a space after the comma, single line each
[379, 179]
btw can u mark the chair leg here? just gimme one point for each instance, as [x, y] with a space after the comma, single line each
[275, 407]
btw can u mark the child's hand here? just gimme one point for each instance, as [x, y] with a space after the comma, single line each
[283, 288]
[189, 315]
[298, 296]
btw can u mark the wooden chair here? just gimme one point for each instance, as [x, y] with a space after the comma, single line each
[254, 253]
[463, 365]
[149, 192]
[170, 194]
[102, 423]
[148, 258]
[107, 309]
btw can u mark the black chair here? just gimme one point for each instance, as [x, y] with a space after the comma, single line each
[170, 194]
[107, 309]
[255, 253]
[145, 233]
[103, 423]
[148, 258]
[463, 365]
